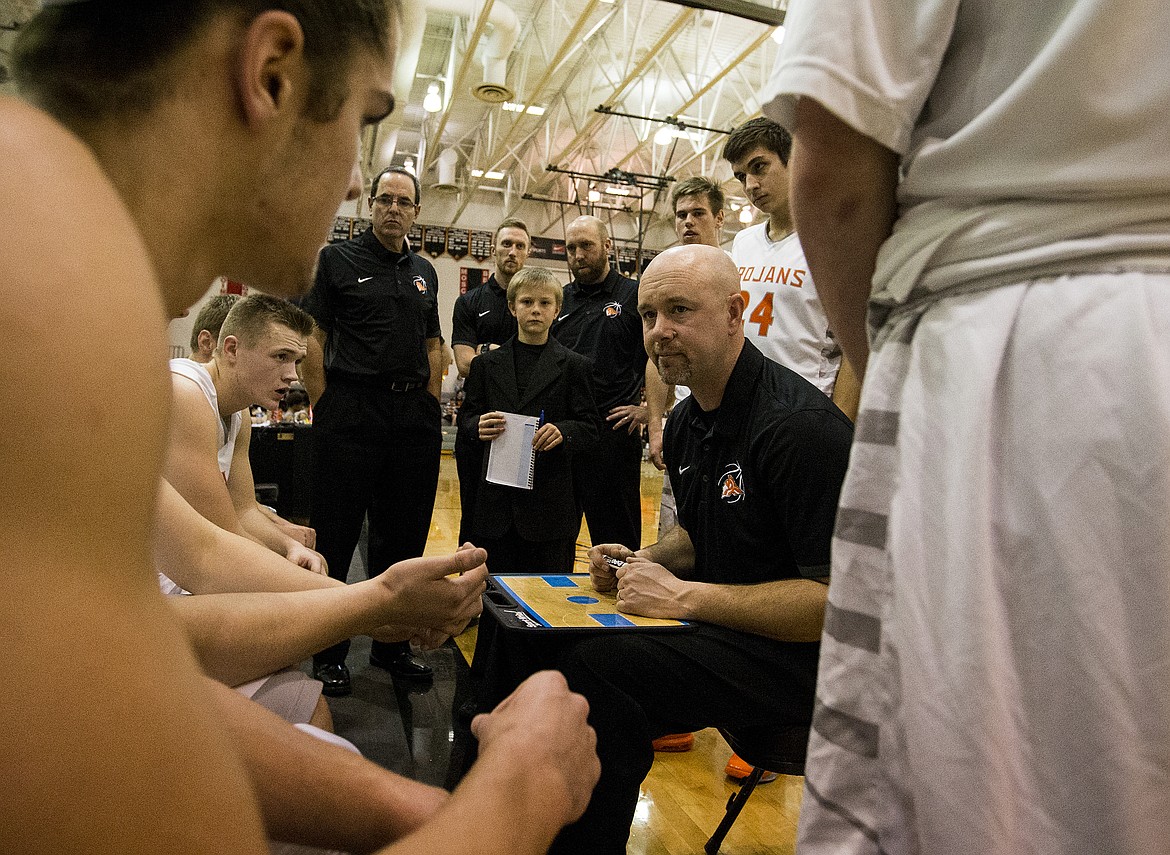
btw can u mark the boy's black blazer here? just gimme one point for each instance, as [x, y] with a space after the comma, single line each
[560, 385]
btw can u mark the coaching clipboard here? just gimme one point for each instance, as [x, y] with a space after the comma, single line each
[564, 603]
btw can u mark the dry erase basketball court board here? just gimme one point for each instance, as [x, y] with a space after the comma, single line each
[563, 603]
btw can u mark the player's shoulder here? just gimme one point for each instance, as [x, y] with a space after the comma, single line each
[44, 166]
[746, 237]
[190, 405]
[73, 259]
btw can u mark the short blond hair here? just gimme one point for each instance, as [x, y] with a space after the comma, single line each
[532, 278]
[250, 318]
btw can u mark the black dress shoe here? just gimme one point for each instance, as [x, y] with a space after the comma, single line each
[334, 679]
[403, 665]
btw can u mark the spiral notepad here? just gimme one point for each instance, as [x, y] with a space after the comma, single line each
[511, 457]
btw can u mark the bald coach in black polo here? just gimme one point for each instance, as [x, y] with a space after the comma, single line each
[377, 426]
[599, 320]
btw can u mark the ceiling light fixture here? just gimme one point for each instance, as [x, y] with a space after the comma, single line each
[491, 174]
[778, 34]
[530, 109]
[594, 195]
[745, 215]
[433, 102]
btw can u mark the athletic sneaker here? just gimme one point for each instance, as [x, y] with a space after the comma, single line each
[675, 742]
[739, 769]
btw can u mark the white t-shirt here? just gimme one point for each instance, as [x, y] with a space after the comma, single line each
[1034, 136]
[199, 375]
[784, 317]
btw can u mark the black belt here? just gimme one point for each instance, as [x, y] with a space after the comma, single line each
[372, 381]
[404, 387]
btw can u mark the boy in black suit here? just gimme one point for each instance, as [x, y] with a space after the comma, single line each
[529, 531]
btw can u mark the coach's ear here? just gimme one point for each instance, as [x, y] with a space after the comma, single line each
[735, 310]
[271, 61]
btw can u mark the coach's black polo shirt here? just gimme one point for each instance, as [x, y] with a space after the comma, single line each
[378, 308]
[757, 481]
[481, 316]
[601, 322]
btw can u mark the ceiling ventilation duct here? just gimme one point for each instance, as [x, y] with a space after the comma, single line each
[496, 50]
[448, 159]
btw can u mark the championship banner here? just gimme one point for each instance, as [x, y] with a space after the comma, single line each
[414, 236]
[457, 240]
[481, 244]
[434, 240]
[341, 226]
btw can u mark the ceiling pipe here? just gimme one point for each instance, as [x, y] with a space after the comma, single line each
[497, 48]
[447, 162]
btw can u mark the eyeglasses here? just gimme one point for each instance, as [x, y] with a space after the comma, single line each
[387, 201]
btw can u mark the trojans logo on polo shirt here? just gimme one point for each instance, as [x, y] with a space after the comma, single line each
[420, 284]
[731, 484]
[613, 310]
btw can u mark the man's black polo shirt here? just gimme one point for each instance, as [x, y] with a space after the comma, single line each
[601, 323]
[378, 308]
[481, 316]
[757, 490]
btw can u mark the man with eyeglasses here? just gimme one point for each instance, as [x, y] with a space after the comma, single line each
[376, 422]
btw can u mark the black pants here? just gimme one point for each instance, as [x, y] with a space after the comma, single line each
[513, 554]
[468, 466]
[376, 452]
[644, 685]
[608, 481]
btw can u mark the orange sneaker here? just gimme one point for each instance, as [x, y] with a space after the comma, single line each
[675, 742]
[739, 769]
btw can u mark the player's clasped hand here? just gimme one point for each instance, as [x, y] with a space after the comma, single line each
[546, 725]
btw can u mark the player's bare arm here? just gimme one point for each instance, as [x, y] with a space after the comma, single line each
[206, 559]
[223, 628]
[843, 204]
[259, 525]
[77, 523]
[847, 390]
[341, 801]
[537, 768]
[192, 466]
